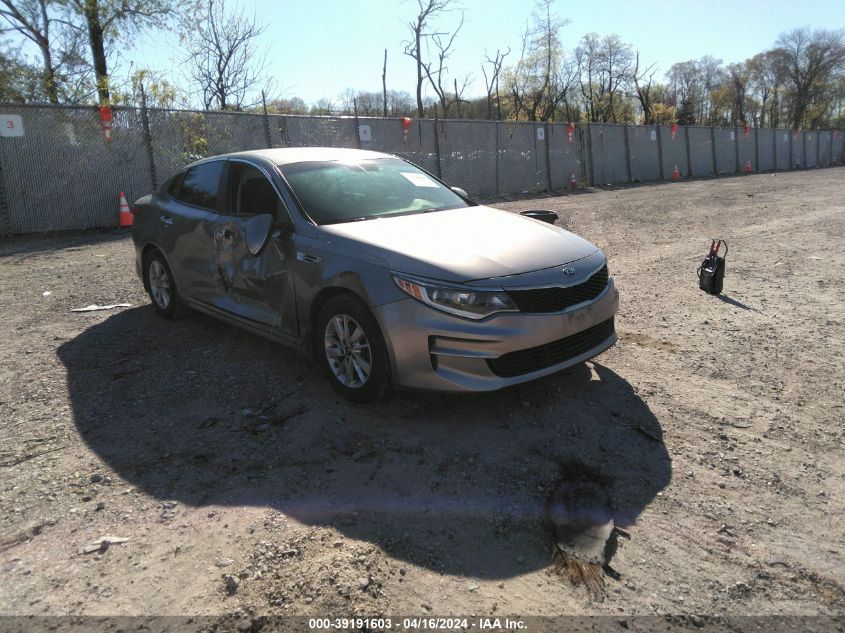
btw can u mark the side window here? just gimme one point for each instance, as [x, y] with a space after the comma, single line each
[250, 191]
[173, 185]
[200, 185]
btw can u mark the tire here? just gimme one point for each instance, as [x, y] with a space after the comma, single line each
[161, 287]
[349, 347]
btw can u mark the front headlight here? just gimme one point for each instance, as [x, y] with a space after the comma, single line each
[462, 301]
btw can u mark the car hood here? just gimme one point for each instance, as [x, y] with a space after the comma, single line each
[462, 245]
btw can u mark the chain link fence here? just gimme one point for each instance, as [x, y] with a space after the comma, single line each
[58, 171]
[622, 154]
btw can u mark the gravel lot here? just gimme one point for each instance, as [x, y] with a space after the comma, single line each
[245, 486]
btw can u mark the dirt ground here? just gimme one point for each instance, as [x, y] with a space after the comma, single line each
[246, 487]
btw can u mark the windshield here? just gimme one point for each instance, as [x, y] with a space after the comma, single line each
[333, 192]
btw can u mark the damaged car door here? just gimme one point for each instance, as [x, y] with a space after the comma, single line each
[187, 219]
[254, 253]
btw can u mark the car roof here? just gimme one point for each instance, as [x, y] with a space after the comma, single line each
[287, 155]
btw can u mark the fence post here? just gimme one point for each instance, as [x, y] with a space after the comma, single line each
[737, 168]
[660, 152]
[283, 131]
[713, 150]
[205, 128]
[818, 136]
[774, 149]
[5, 220]
[497, 158]
[266, 122]
[588, 148]
[437, 143]
[830, 149]
[689, 152]
[627, 153]
[804, 148]
[546, 142]
[148, 138]
[791, 143]
[357, 129]
[757, 150]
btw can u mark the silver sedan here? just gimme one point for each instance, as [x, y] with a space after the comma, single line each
[380, 271]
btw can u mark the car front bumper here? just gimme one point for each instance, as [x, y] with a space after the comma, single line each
[433, 350]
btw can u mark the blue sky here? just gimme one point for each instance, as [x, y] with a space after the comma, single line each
[318, 48]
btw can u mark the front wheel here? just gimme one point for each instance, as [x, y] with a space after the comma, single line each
[349, 346]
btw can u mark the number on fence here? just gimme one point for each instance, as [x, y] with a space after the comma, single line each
[11, 125]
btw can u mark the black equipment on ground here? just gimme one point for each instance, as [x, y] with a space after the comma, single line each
[711, 273]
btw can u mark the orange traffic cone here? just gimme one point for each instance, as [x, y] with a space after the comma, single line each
[124, 215]
[572, 184]
[748, 167]
[675, 173]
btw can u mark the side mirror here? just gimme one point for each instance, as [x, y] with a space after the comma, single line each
[543, 216]
[257, 233]
[460, 192]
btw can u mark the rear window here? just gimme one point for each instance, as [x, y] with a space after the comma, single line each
[200, 185]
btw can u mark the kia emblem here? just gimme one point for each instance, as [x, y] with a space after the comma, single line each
[568, 271]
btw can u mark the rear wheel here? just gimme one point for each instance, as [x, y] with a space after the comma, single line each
[162, 287]
[349, 346]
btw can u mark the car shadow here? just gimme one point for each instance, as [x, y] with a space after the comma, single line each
[202, 413]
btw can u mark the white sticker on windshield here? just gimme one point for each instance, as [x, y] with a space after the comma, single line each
[420, 180]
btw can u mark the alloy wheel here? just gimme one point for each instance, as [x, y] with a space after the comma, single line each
[159, 284]
[348, 351]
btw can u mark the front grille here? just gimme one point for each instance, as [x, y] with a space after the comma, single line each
[535, 358]
[557, 299]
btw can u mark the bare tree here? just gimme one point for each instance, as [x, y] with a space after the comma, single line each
[323, 106]
[399, 103]
[347, 101]
[491, 83]
[371, 103]
[617, 69]
[222, 55]
[644, 86]
[540, 81]
[428, 10]
[735, 84]
[810, 61]
[687, 87]
[587, 55]
[435, 70]
[459, 93]
[607, 68]
[765, 83]
[711, 74]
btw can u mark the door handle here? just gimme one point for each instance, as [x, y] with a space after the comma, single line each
[308, 258]
[166, 219]
[223, 234]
